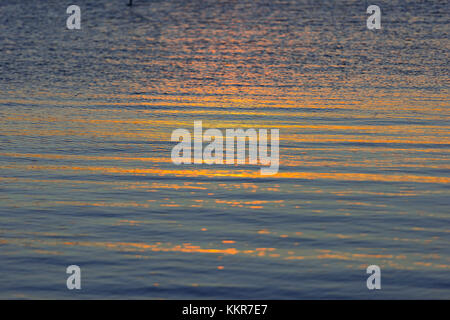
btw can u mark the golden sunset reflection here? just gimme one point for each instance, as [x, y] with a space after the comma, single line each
[87, 174]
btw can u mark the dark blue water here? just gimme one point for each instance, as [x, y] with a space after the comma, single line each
[86, 177]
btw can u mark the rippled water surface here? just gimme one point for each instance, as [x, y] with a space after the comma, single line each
[86, 176]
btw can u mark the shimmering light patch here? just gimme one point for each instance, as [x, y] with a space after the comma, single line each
[244, 174]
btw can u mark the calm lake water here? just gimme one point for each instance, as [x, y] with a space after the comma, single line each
[86, 176]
